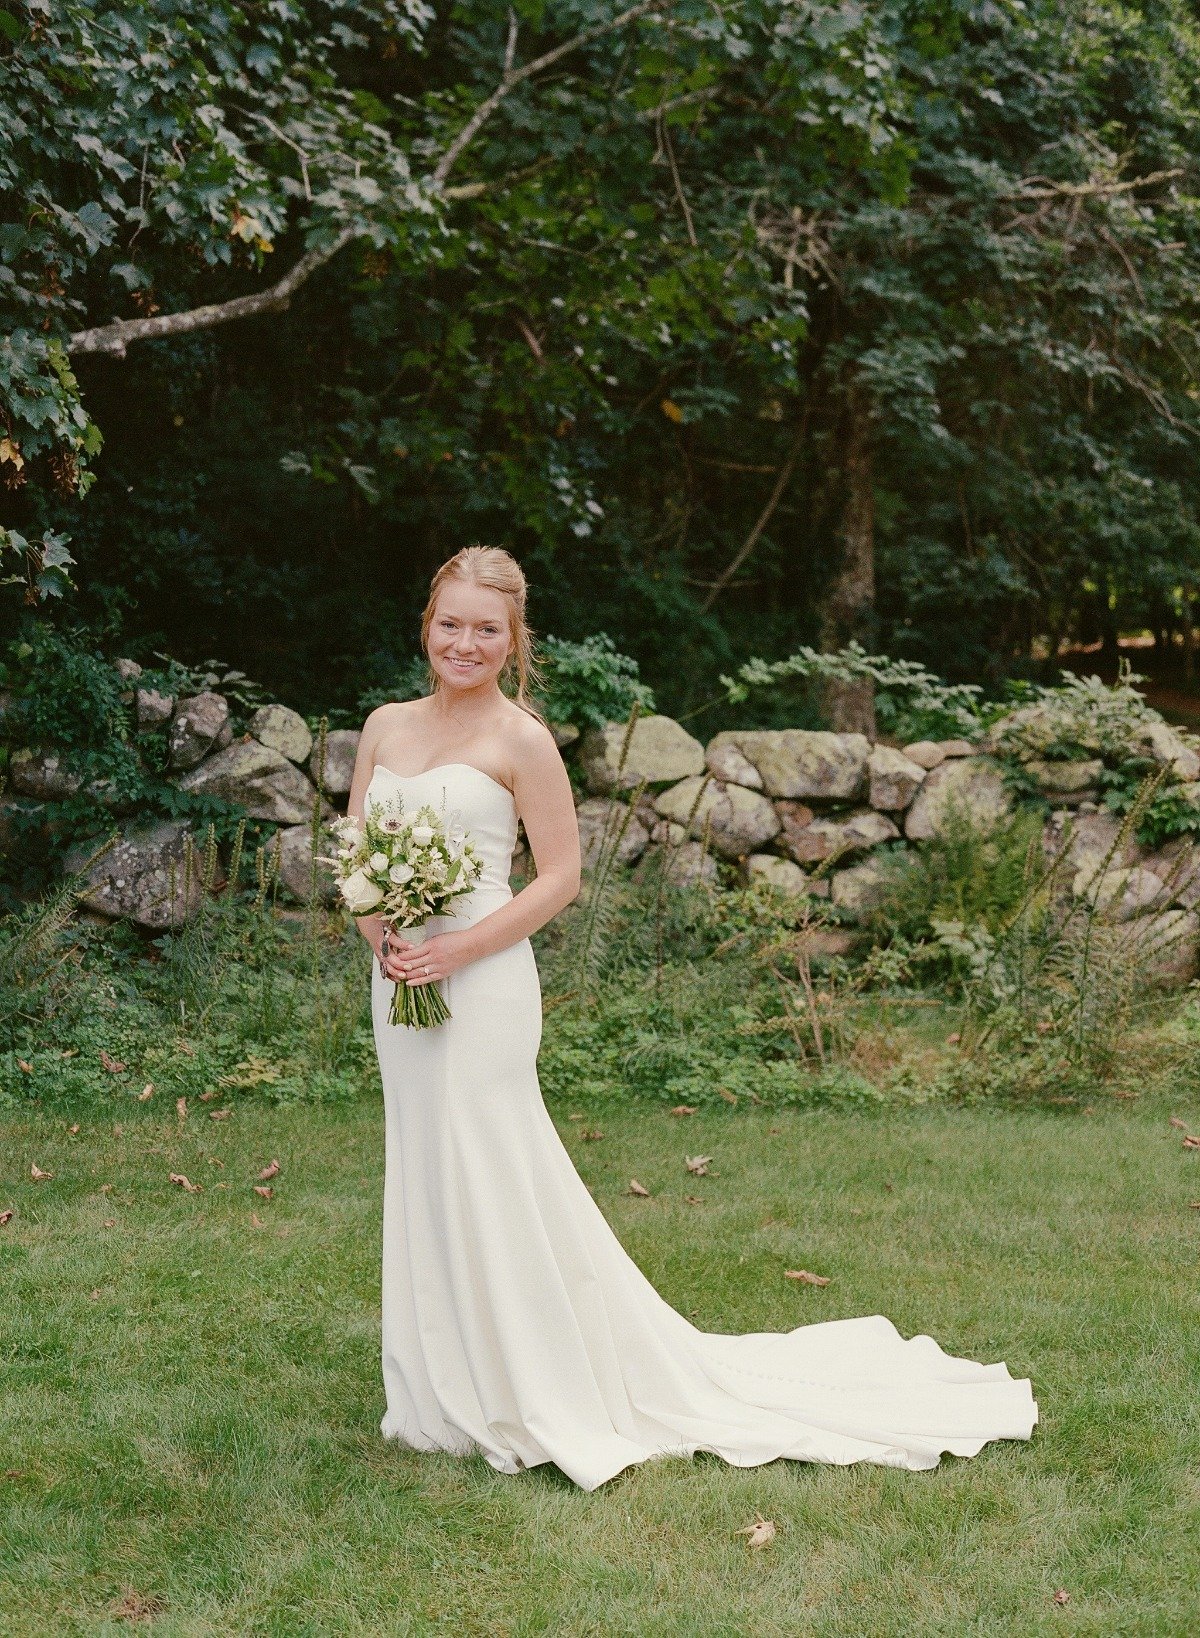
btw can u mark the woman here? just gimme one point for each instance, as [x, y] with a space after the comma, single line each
[514, 1323]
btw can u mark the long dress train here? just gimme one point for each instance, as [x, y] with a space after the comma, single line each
[515, 1323]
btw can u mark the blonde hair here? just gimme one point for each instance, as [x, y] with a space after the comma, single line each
[496, 570]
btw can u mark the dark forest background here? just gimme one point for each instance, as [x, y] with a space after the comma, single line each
[743, 325]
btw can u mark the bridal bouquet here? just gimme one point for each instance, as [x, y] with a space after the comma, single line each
[405, 868]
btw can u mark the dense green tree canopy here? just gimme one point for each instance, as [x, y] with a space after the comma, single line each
[744, 324]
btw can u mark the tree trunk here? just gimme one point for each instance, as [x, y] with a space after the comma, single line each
[849, 610]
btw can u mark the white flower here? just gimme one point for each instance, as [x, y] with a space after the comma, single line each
[401, 872]
[378, 861]
[359, 892]
[422, 835]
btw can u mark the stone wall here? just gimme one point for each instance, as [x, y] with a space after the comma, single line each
[806, 810]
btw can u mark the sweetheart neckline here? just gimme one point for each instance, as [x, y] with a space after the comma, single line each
[440, 767]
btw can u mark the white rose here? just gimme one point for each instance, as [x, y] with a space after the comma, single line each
[378, 861]
[401, 872]
[359, 892]
[422, 835]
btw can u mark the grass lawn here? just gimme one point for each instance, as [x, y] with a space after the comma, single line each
[191, 1393]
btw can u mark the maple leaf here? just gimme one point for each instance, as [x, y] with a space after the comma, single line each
[637, 1188]
[6, 1216]
[192, 1188]
[113, 1065]
[759, 1534]
[1191, 1142]
[698, 1164]
[805, 1278]
[265, 1190]
[684, 1109]
[38, 1175]
[269, 1171]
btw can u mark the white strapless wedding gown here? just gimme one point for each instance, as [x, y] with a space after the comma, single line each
[514, 1322]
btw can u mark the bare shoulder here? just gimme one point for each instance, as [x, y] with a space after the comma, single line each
[384, 718]
[531, 747]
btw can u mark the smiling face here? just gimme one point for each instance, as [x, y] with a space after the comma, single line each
[469, 636]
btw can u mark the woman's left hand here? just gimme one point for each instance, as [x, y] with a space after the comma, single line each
[440, 955]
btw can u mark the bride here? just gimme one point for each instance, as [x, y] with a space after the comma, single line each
[514, 1322]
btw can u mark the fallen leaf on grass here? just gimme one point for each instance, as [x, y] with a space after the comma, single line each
[27, 1067]
[637, 1188]
[256, 1221]
[213, 1092]
[146, 1092]
[576, 1117]
[1191, 1142]
[773, 1131]
[6, 1216]
[697, 1164]
[110, 1222]
[213, 1161]
[181, 1109]
[684, 1109]
[1062, 1596]
[592, 1135]
[113, 1065]
[118, 1131]
[69, 1052]
[219, 1114]
[269, 1171]
[105, 1188]
[136, 1606]
[724, 1092]
[1181, 1124]
[73, 1129]
[805, 1278]
[759, 1534]
[693, 1199]
[265, 1190]
[192, 1188]
[94, 1296]
[37, 1174]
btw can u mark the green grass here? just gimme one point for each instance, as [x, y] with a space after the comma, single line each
[189, 1403]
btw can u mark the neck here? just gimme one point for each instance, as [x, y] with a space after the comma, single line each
[467, 704]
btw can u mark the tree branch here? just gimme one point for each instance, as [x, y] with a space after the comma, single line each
[510, 81]
[1097, 186]
[112, 339]
[765, 516]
